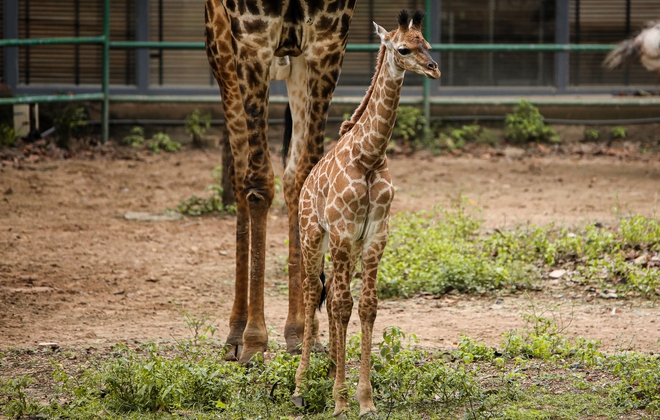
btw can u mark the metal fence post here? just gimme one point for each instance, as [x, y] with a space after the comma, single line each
[105, 118]
[426, 81]
[10, 31]
[562, 36]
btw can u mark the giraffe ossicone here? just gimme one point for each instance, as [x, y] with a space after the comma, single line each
[345, 204]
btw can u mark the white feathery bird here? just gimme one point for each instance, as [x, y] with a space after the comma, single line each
[644, 46]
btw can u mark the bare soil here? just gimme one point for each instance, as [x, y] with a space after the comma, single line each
[74, 271]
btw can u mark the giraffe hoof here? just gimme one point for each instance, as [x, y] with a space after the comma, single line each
[318, 348]
[233, 353]
[341, 415]
[369, 413]
[248, 354]
[298, 401]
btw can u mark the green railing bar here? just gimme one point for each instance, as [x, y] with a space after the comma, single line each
[105, 82]
[375, 47]
[31, 99]
[426, 83]
[51, 41]
[496, 47]
[549, 101]
[165, 45]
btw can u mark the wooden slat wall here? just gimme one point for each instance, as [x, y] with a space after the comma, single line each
[56, 64]
[602, 21]
[183, 20]
[515, 21]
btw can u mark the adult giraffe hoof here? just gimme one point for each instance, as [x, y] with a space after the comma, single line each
[293, 345]
[298, 401]
[248, 353]
[233, 353]
[340, 415]
[369, 413]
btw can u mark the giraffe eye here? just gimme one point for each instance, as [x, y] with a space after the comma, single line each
[404, 51]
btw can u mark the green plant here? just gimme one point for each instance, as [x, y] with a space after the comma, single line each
[135, 138]
[410, 126]
[67, 122]
[618, 132]
[161, 141]
[196, 125]
[526, 124]
[197, 206]
[7, 135]
[439, 252]
[459, 137]
[14, 401]
[591, 134]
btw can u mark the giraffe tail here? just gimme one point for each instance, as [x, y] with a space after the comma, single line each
[288, 133]
[324, 291]
[625, 53]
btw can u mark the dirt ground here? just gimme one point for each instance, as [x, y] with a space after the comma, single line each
[74, 271]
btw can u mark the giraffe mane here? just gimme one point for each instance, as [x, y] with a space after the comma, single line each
[349, 124]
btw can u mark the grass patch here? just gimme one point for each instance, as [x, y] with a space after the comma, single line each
[445, 250]
[535, 373]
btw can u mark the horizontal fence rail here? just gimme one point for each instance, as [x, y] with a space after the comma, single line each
[106, 44]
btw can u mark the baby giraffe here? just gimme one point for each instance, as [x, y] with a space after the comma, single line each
[345, 206]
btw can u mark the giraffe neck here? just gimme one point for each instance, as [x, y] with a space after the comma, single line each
[373, 130]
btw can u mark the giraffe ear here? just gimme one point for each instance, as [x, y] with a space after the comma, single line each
[382, 33]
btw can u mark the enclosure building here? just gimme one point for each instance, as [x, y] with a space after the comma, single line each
[38, 69]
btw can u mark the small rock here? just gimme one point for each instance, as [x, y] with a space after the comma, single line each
[555, 274]
[576, 366]
[152, 279]
[152, 217]
[223, 253]
[514, 152]
[641, 260]
[615, 311]
[608, 294]
[52, 345]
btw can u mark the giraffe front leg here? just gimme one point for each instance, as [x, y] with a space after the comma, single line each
[312, 251]
[342, 306]
[259, 189]
[367, 309]
[239, 311]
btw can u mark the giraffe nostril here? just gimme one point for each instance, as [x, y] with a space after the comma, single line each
[432, 65]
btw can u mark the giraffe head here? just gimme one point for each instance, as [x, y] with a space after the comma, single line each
[407, 45]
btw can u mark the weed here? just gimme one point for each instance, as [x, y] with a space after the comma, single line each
[459, 137]
[8, 136]
[196, 126]
[135, 138]
[618, 132]
[526, 124]
[410, 126]
[591, 134]
[161, 141]
[197, 206]
[14, 401]
[439, 252]
[67, 122]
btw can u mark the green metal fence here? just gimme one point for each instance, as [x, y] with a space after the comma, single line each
[426, 100]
